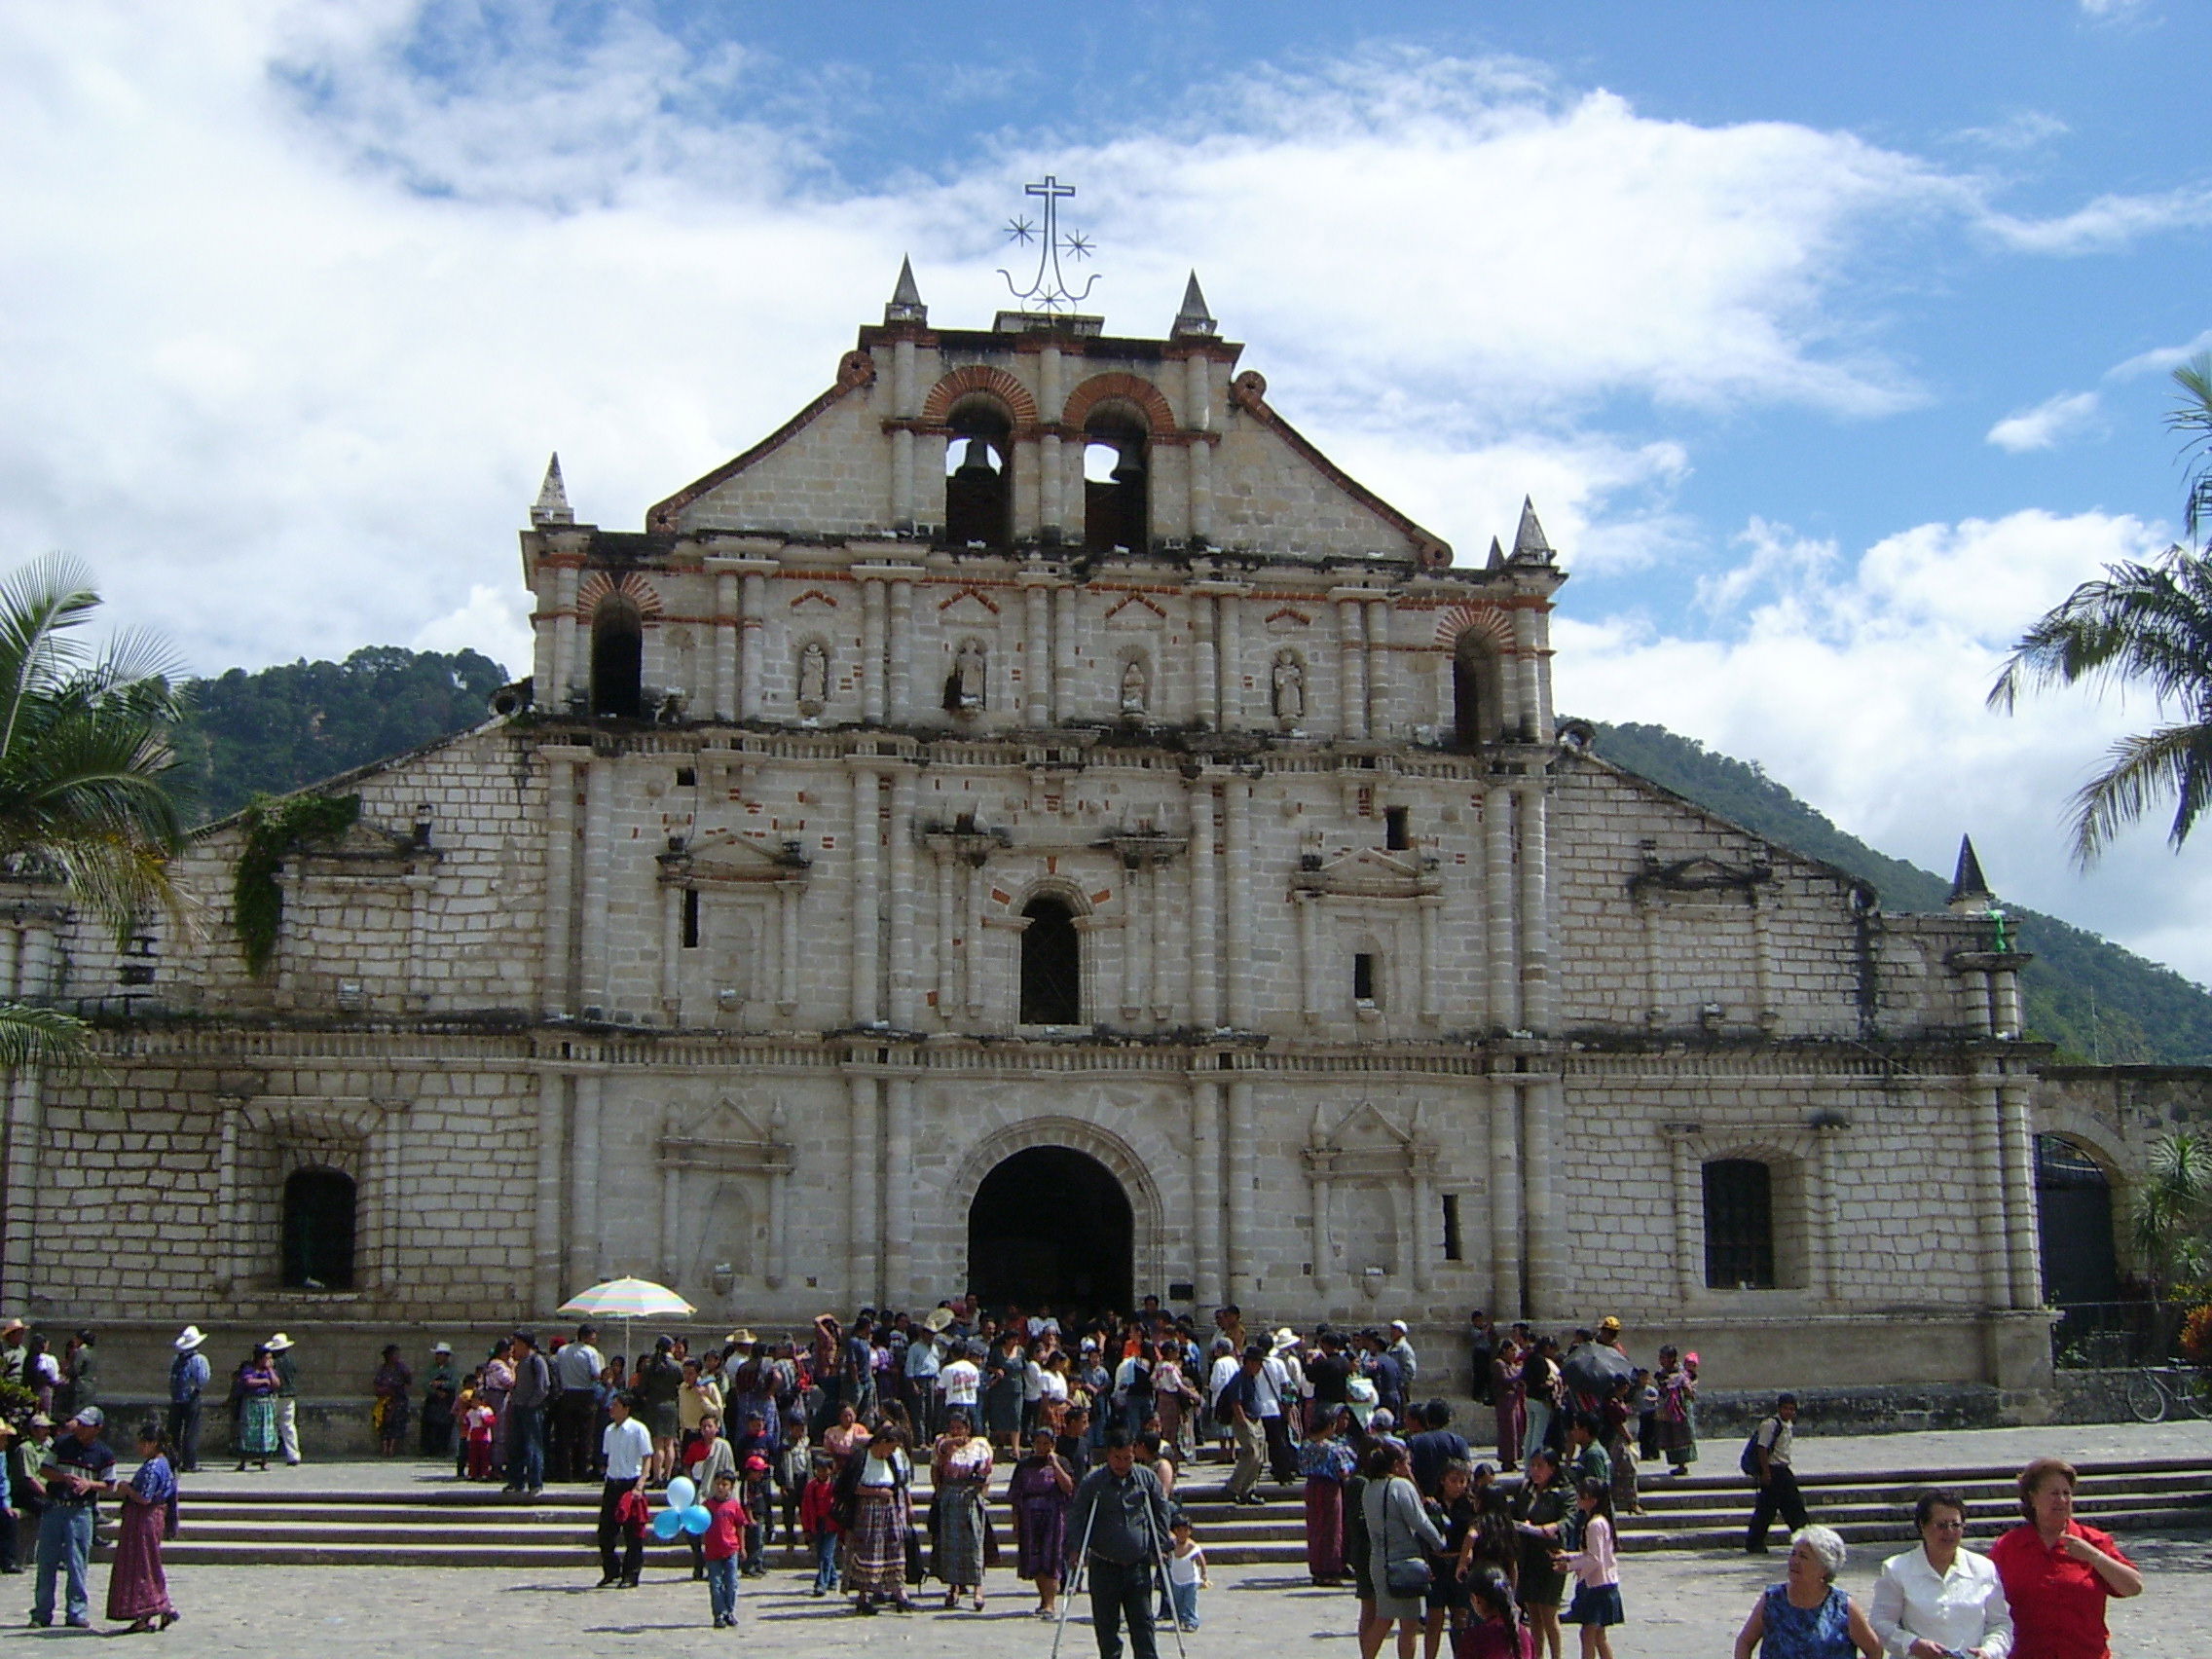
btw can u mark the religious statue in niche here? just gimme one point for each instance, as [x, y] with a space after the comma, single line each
[964, 686]
[812, 678]
[1133, 687]
[1289, 688]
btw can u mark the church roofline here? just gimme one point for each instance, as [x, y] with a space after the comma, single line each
[854, 372]
[994, 342]
[1249, 392]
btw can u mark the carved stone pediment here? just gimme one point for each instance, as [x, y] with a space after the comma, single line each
[1699, 875]
[725, 860]
[1367, 1141]
[726, 1136]
[1366, 873]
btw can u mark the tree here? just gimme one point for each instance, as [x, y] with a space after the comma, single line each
[2144, 623]
[83, 754]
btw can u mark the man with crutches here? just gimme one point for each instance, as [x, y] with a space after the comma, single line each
[1121, 1516]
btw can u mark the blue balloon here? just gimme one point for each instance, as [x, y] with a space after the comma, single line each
[697, 1520]
[667, 1523]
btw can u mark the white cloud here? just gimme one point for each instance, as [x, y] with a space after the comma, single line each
[495, 620]
[2021, 130]
[2160, 359]
[2109, 11]
[2045, 425]
[1861, 686]
[2106, 223]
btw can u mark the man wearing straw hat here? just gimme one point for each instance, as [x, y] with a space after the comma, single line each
[288, 1397]
[189, 1376]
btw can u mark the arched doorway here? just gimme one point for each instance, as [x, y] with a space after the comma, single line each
[2074, 1219]
[1052, 1224]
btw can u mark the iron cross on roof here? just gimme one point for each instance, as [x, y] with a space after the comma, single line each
[1047, 289]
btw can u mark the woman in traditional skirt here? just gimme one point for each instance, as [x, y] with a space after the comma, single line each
[1327, 1461]
[1039, 1493]
[875, 1560]
[1677, 1394]
[959, 1470]
[391, 1385]
[498, 1383]
[136, 1589]
[256, 1386]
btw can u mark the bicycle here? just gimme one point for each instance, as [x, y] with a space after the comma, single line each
[2153, 1389]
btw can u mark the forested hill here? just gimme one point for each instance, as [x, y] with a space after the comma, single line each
[2092, 998]
[278, 728]
[281, 728]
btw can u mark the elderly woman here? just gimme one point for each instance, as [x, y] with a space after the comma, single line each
[873, 1490]
[1939, 1599]
[1400, 1539]
[960, 1468]
[1806, 1616]
[2058, 1574]
[255, 1387]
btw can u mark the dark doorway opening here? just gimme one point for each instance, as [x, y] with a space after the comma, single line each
[1052, 964]
[1053, 1225]
[618, 660]
[318, 1231]
[2074, 1219]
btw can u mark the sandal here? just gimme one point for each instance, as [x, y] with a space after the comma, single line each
[979, 1600]
[951, 1600]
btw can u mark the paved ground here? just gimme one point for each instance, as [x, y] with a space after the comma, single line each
[1681, 1606]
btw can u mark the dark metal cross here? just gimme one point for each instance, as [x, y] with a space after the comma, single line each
[1047, 289]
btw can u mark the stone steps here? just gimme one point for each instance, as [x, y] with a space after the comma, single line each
[441, 1525]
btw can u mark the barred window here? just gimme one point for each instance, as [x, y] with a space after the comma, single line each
[1739, 1225]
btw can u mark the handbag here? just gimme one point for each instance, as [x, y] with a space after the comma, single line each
[1403, 1579]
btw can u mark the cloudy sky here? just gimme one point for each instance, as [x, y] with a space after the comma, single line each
[1831, 340]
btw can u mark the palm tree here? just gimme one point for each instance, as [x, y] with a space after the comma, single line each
[2150, 624]
[83, 753]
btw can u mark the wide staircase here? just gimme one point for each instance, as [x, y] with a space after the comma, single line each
[441, 1524]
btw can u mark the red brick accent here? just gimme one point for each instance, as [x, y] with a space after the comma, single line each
[597, 588]
[1130, 388]
[1485, 621]
[1020, 407]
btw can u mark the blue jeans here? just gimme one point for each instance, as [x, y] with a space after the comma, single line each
[721, 1587]
[1186, 1603]
[825, 1561]
[525, 1446]
[65, 1542]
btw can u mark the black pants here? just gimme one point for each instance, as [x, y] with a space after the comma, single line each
[611, 1531]
[1119, 1592]
[1282, 1456]
[184, 1433]
[1778, 1496]
[573, 1415]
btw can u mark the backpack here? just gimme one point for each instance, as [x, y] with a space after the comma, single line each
[1749, 1462]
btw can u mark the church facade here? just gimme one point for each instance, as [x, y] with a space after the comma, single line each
[1033, 823]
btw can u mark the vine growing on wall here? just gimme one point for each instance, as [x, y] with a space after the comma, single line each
[275, 829]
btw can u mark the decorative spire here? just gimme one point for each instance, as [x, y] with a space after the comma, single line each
[1529, 544]
[1496, 555]
[1970, 888]
[552, 505]
[906, 298]
[1194, 321]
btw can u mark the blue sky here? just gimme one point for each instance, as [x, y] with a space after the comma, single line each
[1831, 339]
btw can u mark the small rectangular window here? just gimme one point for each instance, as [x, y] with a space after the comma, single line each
[690, 918]
[1453, 1249]
[685, 777]
[1363, 977]
[1395, 836]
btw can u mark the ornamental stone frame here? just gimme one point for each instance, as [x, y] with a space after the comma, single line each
[1147, 1212]
[1402, 1159]
[263, 1139]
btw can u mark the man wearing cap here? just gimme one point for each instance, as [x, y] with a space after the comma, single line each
[78, 1468]
[288, 1397]
[924, 1358]
[1237, 1407]
[576, 1368]
[526, 1416]
[189, 1376]
[1402, 1350]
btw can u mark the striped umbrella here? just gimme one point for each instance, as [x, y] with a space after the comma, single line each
[627, 1299]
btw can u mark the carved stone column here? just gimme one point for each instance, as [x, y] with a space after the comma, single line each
[864, 955]
[1497, 908]
[1206, 969]
[867, 1215]
[584, 1245]
[753, 630]
[1683, 1165]
[1205, 1188]
[1237, 799]
[561, 763]
[898, 1190]
[1379, 668]
[872, 648]
[1993, 1239]
[1546, 1263]
[1535, 909]
[905, 990]
[600, 784]
[1351, 664]
[1505, 1289]
[2019, 1146]
[1237, 1136]
[546, 1208]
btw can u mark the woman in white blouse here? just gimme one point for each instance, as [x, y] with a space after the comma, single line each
[1940, 1598]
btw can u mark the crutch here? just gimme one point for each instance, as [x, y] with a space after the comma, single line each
[1069, 1587]
[1166, 1590]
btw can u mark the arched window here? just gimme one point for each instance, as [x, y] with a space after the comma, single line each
[1739, 1225]
[978, 503]
[318, 1231]
[618, 660]
[1478, 692]
[1052, 964]
[1116, 504]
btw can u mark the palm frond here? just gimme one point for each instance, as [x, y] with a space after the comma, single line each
[2140, 768]
[2193, 417]
[42, 1037]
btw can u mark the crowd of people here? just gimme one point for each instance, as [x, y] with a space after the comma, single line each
[815, 1444]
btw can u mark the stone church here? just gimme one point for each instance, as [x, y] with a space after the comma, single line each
[1033, 823]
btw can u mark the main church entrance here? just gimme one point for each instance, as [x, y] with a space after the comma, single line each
[1051, 1225]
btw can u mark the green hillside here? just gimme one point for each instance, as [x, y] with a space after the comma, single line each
[2089, 996]
[280, 728]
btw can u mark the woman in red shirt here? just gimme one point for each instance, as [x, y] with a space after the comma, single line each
[2058, 1573]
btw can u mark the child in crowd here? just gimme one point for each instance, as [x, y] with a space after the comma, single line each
[1495, 1631]
[1646, 1417]
[481, 1420]
[1589, 1556]
[817, 1520]
[1186, 1573]
[724, 1538]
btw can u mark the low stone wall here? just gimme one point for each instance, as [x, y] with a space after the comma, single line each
[2090, 1396]
[1889, 1409]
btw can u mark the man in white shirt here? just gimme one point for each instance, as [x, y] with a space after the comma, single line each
[627, 1447]
[1276, 1385]
[576, 1374]
[922, 1366]
[1940, 1598]
[1219, 1374]
[1401, 1350]
[959, 1382]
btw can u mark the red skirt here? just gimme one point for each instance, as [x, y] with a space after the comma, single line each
[1325, 1529]
[137, 1588]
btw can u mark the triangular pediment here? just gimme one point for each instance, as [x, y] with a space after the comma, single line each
[726, 857]
[1369, 873]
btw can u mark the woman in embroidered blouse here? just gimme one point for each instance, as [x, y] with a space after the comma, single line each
[1039, 1493]
[959, 1470]
[1806, 1616]
[843, 1438]
[136, 1589]
[256, 1385]
[1326, 1460]
[1677, 1394]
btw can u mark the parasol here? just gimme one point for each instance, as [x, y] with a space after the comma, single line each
[1593, 1369]
[626, 1298]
